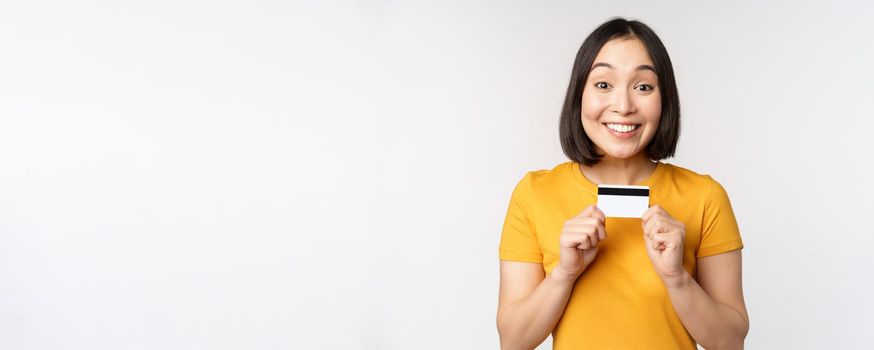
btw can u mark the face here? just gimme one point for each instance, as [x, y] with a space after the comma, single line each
[621, 102]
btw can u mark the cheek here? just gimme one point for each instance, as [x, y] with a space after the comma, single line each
[592, 107]
[651, 110]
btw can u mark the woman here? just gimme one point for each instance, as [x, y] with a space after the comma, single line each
[663, 281]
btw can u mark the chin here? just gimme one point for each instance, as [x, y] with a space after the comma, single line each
[620, 155]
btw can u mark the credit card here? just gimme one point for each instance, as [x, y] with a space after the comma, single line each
[620, 201]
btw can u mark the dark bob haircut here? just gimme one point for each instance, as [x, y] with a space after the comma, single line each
[574, 141]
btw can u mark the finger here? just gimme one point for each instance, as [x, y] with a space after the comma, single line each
[585, 224]
[647, 227]
[586, 212]
[661, 212]
[593, 237]
[655, 225]
[587, 233]
[676, 224]
[571, 239]
[578, 240]
[580, 225]
[658, 241]
[602, 232]
[585, 243]
[598, 219]
[584, 221]
[597, 213]
[649, 213]
[666, 226]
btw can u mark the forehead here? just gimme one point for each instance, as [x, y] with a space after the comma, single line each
[624, 54]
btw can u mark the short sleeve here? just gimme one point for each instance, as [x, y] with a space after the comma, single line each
[720, 232]
[518, 236]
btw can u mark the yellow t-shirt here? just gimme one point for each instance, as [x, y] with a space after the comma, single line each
[619, 302]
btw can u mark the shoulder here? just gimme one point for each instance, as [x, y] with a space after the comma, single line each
[542, 179]
[542, 184]
[691, 181]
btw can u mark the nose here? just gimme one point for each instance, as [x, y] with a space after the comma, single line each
[622, 103]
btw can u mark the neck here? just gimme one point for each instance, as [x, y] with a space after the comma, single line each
[616, 171]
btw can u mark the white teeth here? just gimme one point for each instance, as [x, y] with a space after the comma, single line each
[622, 127]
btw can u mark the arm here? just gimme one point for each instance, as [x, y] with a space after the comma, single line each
[530, 305]
[712, 309]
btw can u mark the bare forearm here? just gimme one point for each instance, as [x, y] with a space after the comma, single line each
[527, 322]
[712, 324]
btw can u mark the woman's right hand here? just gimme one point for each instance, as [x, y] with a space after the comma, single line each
[579, 241]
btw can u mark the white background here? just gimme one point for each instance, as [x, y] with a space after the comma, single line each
[266, 175]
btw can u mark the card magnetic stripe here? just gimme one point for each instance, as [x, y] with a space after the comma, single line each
[642, 192]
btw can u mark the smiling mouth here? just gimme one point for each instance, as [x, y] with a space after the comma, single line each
[622, 128]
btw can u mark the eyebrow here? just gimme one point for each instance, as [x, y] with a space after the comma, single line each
[639, 68]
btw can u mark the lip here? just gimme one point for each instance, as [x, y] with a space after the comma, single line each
[623, 135]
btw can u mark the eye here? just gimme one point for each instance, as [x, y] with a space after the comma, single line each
[645, 87]
[602, 85]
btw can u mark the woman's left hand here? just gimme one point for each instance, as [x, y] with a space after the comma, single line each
[664, 238]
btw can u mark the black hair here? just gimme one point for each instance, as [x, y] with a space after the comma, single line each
[574, 141]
